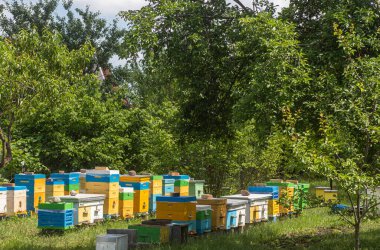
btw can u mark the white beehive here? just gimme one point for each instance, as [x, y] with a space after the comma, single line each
[112, 242]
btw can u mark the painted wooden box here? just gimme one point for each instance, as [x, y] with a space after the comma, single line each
[112, 242]
[196, 188]
[16, 200]
[55, 188]
[167, 187]
[152, 233]
[71, 181]
[236, 213]
[203, 219]
[126, 195]
[36, 186]
[3, 201]
[219, 211]
[56, 216]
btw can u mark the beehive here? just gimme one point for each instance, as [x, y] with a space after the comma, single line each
[88, 208]
[16, 200]
[71, 181]
[196, 188]
[273, 204]
[256, 208]
[330, 195]
[3, 201]
[152, 233]
[235, 213]
[167, 187]
[181, 183]
[104, 181]
[219, 211]
[320, 192]
[204, 218]
[286, 191]
[140, 185]
[82, 181]
[155, 190]
[126, 202]
[35, 185]
[56, 215]
[55, 188]
[301, 193]
[181, 210]
[112, 241]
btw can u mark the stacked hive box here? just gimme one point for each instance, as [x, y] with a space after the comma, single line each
[204, 218]
[126, 202]
[181, 210]
[16, 200]
[57, 216]
[155, 190]
[167, 187]
[153, 231]
[35, 185]
[140, 184]
[235, 213]
[55, 188]
[3, 201]
[286, 192]
[71, 181]
[196, 188]
[330, 196]
[104, 181]
[273, 203]
[112, 241]
[181, 183]
[88, 208]
[320, 192]
[219, 211]
[256, 208]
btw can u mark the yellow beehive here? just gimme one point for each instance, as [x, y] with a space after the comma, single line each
[330, 195]
[219, 211]
[182, 211]
[141, 201]
[156, 184]
[273, 207]
[183, 190]
[320, 192]
[39, 198]
[126, 209]
[135, 178]
[111, 205]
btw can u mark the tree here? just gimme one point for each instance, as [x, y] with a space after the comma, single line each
[35, 70]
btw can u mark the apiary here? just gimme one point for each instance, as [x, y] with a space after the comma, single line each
[126, 202]
[112, 242]
[105, 181]
[155, 190]
[256, 208]
[167, 187]
[152, 233]
[57, 216]
[140, 185]
[181, 183]
[330, 195]
[88, 208]
[71, 181]
[16, 200]
[55, 188]
[204, 218]
[196, 188]
[35, 185]
[219, 211]
[181, 210]
[320, 192]
[235, 213]
[3, 201]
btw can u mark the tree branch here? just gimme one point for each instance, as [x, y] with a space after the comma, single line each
[245, 8]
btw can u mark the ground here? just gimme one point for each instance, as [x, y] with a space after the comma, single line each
[315, 229]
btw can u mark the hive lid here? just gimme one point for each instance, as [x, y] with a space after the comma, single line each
[65, 175]
[176, 199]
[251, 197]
[82, 197]
[322, 187]
[29, 176]
[3, 188]
[203, 207]
[102, 172]
[236, 203]
[126, 190]
[177, 177]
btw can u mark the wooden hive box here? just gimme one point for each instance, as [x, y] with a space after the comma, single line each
[219, 211]
[16, 200]
[35, 184]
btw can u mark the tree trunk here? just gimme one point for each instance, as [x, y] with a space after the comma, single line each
[357, 236]
[331, 184]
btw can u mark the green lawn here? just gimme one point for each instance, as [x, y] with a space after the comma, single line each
[315, 229]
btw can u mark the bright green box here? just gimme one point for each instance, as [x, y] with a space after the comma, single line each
[56, 206]
[71, 187]
[181, 183]
[125, 196]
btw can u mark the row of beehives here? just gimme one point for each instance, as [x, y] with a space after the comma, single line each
[102, 181]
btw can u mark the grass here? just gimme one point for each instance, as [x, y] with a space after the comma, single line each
[315, 229]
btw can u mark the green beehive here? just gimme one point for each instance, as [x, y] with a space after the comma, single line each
[125, 196]
[196, 188]
[181, 183]
[56, 206]
[152, 233]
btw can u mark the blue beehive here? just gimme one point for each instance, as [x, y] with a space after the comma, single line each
[136, 185]
[273, 190]
[56, 216]
[204, 218]
[176, 199]
[71, 180]
[35, 184]
[167, 186]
